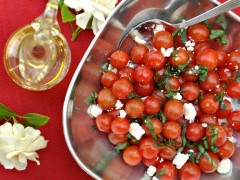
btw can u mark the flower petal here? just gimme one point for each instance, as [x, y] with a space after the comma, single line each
[40, 143]
[99, 15]
[18, 130]
[7, 163]
[94, 26]
[83, 19]
[74, 4]
[6, 128]
[34, 133]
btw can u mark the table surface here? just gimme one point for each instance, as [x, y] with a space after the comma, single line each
[56, 161]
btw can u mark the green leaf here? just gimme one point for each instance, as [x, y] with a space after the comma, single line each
[92, 98]
[219, 35]
[182, 33]
[203, 72]
[35, 119]
[160, 173]
[67, 15]
[222, 21]
[6, 112]
[149, 124]
[120, 147]
[133, 95]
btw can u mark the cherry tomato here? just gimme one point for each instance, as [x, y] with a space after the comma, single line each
[121, 88]
[201, 45]
[143, 75]
[208, 119]
[132, 155]
[208, 58]
[195, 131]
[223, 113]
[198, 32]
[221, 134]
[222, 58]
[188, 75]
[179, 57]
[134, 108]
[152, 105]
[138, 52]
[209, 104]
[173, 110]
[106, 99]
[169, 168]
[163, 39]
[116, 139]
[190, 91]
[207, 166]
[151, 162]
[154, 60]
[167, 153]
[108, 78]
[119, 59]
[144, 89]
[224, 73]
[233, 60]
[120, 126]
[103, 122]
[211, 83]
[171, 130]
[189, 171]
[233, 89]
[147, 149]
[226, 150]
[234, 120]
[174, 83]
[126, 73]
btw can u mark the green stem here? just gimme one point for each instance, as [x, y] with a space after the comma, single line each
[75, 33]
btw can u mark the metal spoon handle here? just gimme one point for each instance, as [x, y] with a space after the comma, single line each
[227, 6]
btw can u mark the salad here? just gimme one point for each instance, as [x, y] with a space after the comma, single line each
[167, 103]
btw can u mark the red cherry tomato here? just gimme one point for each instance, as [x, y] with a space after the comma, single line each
[121, 88]
[211, 83]
[103, 122]
[226, 150]
[171, 130]
[234, 120]
[138, 52]
[167, 153]
[152, 105]
[120, 126]
[134, 108]
[224, 73]
[143, 75]
[207, 166]
[233, 60]
[132, 155]
[147, 149]
[222, 58]
[144, 89]
[126, 73]
[223, 113]
[117, 138]
[174, 83]
[195, 131]
[157, 126]
[154, 60]
[190, 91]
[108, 78]
[163, 39]
[106, 99]
[208, 119]
[221, 134]
[209, 104]
[173, 110]
[169, 168]
[233, 89]
[208, 58]
[198, 32]
[119, 59]
[189, 171]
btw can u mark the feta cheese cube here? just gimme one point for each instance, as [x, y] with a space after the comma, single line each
[167, 52]
[232, 139]
[94, 110]
[180, 159]
[122, 113]
[178, 96]
[158, 27]
[136, 130]
[151, 170]
[118, 104]
[225, 166]
[155, 178]
[189, 111]
[139, 40]
[204, 125]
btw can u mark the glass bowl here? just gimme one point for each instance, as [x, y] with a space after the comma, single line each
[91, 149]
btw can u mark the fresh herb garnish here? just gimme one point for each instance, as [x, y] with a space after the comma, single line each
[30, 119]
[92, 99]
[160, 173]
[219, 35]
[182, 33]
[222, 21]
[133, 95]
[184, 139]
[220, 98]
[202, 72]
[203, 152]
[118, 148]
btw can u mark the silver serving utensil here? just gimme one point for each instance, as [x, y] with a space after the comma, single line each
[153, 15]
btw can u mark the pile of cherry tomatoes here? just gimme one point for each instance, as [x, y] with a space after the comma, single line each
[206, 76]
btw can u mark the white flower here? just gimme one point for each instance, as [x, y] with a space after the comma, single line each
[96, 9]
[18, 144]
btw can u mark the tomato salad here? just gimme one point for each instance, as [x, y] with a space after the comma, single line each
[168, 105]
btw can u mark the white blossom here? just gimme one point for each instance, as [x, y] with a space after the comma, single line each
[87, 9]
[18, 144]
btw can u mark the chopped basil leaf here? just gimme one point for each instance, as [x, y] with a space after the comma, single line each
[92, 98]
[118, 148]
[133, 95]
[182, 33]
[149, 124]
[222, 21]
[184, 139]
[219, 35]
[203, 72]
[206, 155]
[160, 173]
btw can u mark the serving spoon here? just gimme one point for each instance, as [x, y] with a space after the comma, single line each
[153, 15]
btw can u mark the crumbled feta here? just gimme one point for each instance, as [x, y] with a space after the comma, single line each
[136, 130]
[225, 166]
[204, 125]
[232, 139]
[167, 52]
[131, 64]
[190, 48]
[161, 160]
[94, 110]
[122, 113]
[111, 68]
[178, 96]
[189, 111]
[151, 170]
[190, 45]
[180, 159]
[139, 40]
[118, 104]
[196, 67]
[158, 27]
[155, 178]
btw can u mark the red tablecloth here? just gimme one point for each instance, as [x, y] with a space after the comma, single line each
[56, 161]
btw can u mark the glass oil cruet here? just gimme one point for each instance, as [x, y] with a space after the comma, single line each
[37, 56]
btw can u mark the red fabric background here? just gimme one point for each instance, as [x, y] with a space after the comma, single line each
[56, 161]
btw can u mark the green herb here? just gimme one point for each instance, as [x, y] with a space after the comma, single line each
[182, 33]
[222, 21]
[133, 139]
[149, 124]
[219, 35]
[206, 155]
[67, 15]
[175, 53]
[133, 95]
[92, 99]
[160, 173]
[30, 119]
[184, 139]
[220, 98]
[237, 76]
[202, 72]
[118, 148]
